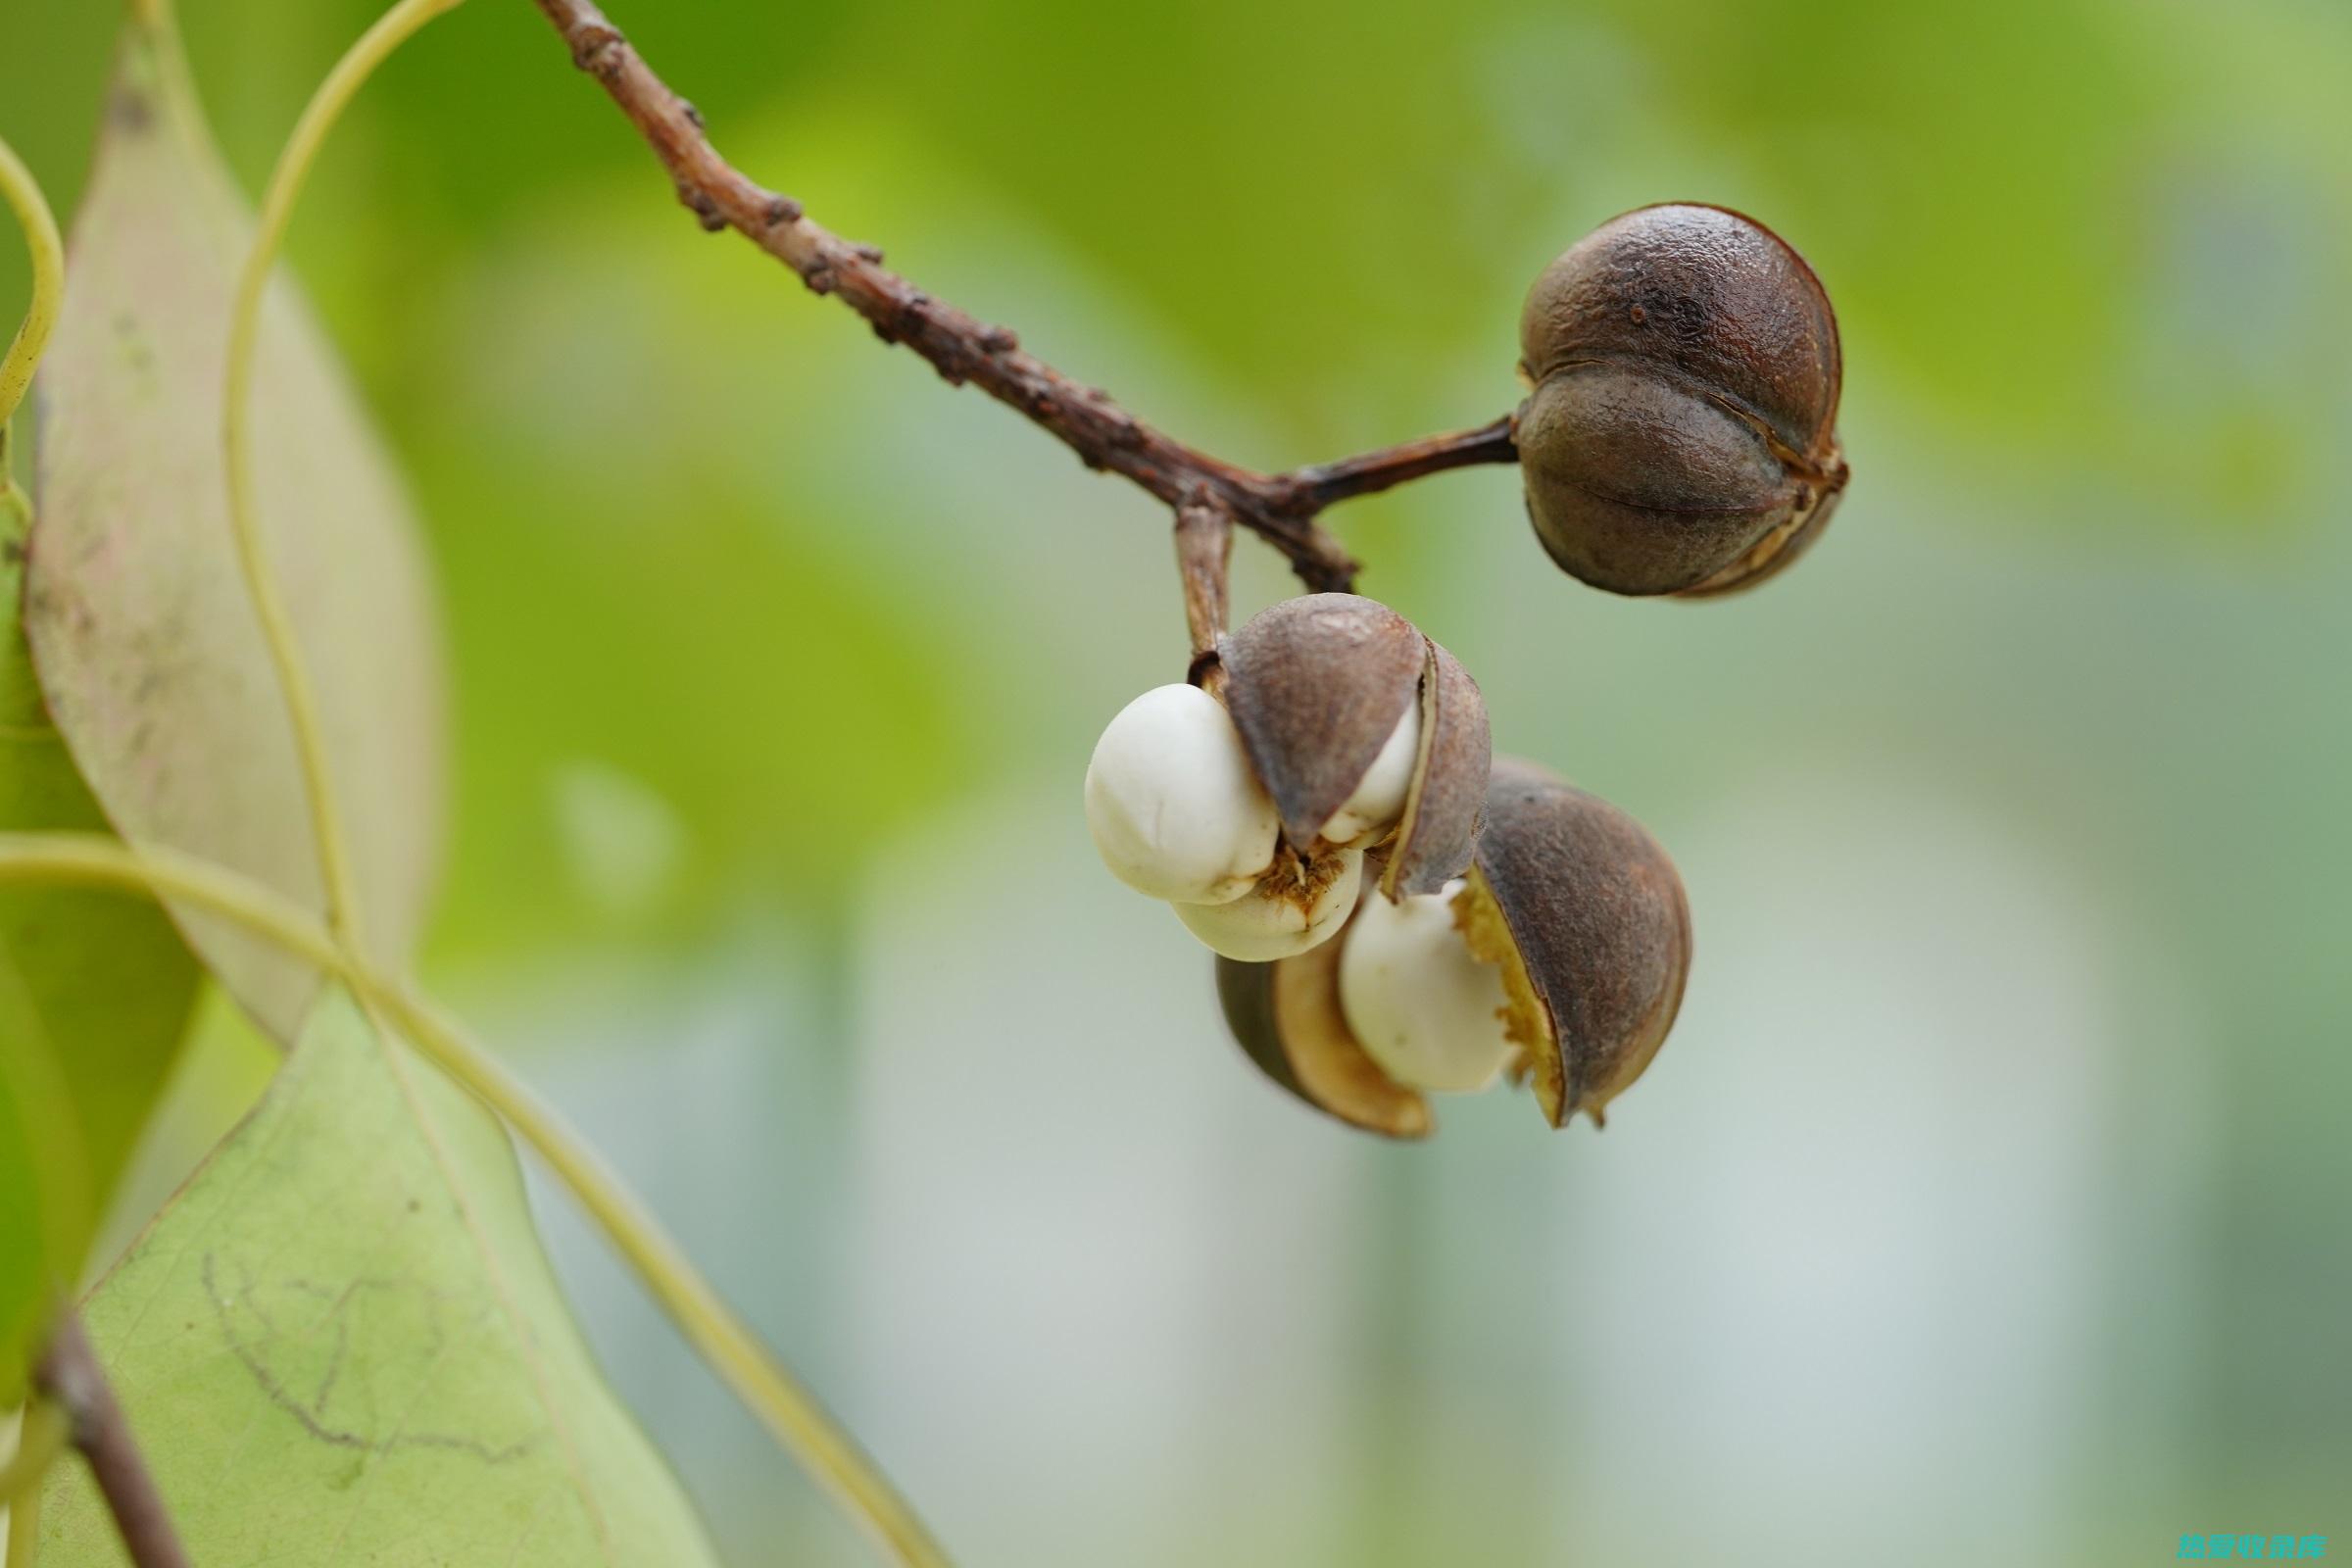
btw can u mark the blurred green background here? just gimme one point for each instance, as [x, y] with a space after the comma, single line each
[1994, 1198]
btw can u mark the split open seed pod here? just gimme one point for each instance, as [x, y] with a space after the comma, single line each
[1364, 732]
[1681, 435]
[1585, 916]
[1577, 908]
[1287, 1019]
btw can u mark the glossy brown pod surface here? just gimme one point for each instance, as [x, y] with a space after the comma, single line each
[1585, 915]
[1317, 684]
[1681, 434]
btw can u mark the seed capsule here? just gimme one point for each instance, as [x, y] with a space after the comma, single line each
[1585, 915]
[1564, 950]
[1343, 730]
[1679, 438]
[1335, 695]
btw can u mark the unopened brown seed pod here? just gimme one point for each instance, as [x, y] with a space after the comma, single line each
[1585, 916]
[1681, 435]
[1363, 731]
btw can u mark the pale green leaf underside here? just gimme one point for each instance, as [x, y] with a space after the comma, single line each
[95, 992]
[342, 1344]
[142, 634]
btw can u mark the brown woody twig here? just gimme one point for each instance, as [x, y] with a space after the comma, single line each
[68, 1373]
[1203, 551]
[1280, 509]
[1311, 489]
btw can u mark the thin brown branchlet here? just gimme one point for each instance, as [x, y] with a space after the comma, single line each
[1281, 509]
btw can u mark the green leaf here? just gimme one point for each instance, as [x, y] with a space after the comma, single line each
[44, 1197]
[95, 993]
[342, 1344]
[141, 630]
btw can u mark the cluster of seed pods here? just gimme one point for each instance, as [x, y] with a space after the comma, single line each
[1396, 911]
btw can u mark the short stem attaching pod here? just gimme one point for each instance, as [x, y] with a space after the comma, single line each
[1203, 561]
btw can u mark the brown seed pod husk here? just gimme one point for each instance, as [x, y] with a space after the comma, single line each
[1585, 916]
[1286, 1017]
[1775, 553]
[1448, 798]
[1317, 684]
[1681, 434]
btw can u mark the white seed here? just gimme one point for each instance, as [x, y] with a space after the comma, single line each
[1174, 808]
[1273, 921]
[1423, 1008]
[1379, 798]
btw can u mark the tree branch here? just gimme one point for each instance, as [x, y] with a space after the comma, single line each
[1280, 509]
[68, 1373]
